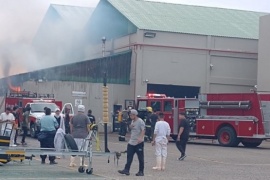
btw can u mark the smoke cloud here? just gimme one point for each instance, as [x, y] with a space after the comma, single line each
[20, 22]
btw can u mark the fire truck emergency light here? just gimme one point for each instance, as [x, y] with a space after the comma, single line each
[150, 95]
[42, 100]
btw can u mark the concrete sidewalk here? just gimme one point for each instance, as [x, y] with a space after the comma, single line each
[37, 171]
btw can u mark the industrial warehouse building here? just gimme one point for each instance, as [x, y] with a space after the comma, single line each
[178, 50]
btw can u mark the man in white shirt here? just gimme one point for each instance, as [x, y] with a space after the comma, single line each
[160, 140]
[8, 120]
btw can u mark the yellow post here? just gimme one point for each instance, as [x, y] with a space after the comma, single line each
[97, 141]
[105, 105]
[105, 114]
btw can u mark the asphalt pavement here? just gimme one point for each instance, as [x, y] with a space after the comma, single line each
[205, 160]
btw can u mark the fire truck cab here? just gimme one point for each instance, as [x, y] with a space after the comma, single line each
[231, 118]
[37, 102]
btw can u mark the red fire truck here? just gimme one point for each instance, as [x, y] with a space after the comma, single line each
[230, 118]
[37, 103]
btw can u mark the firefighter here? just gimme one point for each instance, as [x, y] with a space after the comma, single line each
[148, 132]
[122, 119]
[154, 118]
[91, 117]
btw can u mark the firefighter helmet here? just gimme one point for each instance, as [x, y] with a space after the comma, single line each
[149, 109]
[94, 127]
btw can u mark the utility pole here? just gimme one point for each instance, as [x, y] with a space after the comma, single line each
[105, 101]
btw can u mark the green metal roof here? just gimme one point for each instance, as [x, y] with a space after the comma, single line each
[190, 19]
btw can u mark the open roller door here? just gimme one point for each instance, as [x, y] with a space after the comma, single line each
[174, 90]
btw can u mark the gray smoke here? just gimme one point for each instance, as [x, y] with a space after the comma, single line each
[6, 65]
[21, 23]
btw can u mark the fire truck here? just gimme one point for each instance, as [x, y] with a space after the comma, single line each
[231, 118]
[37, 102]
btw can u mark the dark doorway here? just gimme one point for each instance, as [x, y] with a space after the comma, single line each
[173, 90]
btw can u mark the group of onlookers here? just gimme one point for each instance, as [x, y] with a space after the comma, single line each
[10, 124]
[78, 127]
[159, 140]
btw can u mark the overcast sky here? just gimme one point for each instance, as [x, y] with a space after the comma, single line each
[20, 19]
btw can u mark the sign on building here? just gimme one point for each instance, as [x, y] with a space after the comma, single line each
[78, 94]
[78, 102]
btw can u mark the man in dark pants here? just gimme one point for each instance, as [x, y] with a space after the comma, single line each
[25, 123]
[135, 144]
[17, 123]
[67, 120]
[48, 126]
[182, 137]
[148, 134]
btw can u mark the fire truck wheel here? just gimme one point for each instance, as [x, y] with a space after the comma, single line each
[71, 142]
[227, 137]
[251, 143]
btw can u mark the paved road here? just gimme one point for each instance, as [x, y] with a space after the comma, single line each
[205, 161]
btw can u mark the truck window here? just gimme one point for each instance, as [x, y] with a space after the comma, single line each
[35, 107]
[142, 105]
[156, 105]
[167, 106]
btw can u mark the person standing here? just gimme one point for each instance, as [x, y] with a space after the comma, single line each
[59, 139]
[57, 116]
[25, 123]
[79, 130]
[135, 144]
[48, 126]
[91, 117]
[147, 136]
[182, 137]
[67, 120]
[160, 140]
[8, 120]
[154, 118]
[17, 123]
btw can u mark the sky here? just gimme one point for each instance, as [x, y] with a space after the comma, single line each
[20, 20]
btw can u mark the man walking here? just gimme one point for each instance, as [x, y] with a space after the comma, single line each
[160, 140]
[135, 144]
[183, 135]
